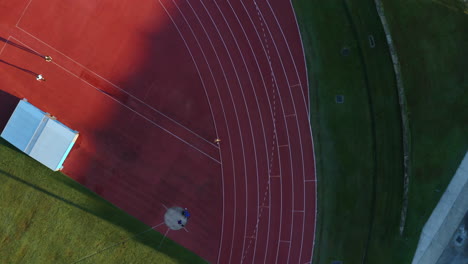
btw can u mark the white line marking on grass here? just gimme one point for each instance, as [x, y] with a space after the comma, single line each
[165, 234]
[157, 225]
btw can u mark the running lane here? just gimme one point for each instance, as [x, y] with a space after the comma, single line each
[233, 70]
[258, 79]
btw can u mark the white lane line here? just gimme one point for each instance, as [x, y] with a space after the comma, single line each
[254, 55]
[22, 14]
[305, 63]
[225, 120]
[306, 98]
[142, 116]
[4, 45]
[63, 68]
[258, 108]
[300, 136]
[276, 89]
[235, 111]
[266, 52]
[235, 108]
[119, 88]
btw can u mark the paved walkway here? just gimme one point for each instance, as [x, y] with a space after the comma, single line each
[445, 218]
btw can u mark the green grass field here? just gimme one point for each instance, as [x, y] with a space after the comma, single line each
[46, 217]
[358, 143]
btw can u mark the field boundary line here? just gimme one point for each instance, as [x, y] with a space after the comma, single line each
[117, 87]
[24, 12]
[129, 108]
[4, 45]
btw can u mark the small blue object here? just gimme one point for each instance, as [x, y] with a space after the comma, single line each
[186, 214]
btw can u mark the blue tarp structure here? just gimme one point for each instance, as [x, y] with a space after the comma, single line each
[39, 135]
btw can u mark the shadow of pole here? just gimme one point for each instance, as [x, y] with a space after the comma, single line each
[16, 45]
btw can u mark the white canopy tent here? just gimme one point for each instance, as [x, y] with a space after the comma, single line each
[39, 135]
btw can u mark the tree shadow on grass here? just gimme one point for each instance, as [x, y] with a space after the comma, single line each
[106, 211]
[46, 192]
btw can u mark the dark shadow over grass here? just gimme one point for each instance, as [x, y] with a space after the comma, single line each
[41, 208]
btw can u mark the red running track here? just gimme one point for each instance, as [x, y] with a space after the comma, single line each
[149, 87]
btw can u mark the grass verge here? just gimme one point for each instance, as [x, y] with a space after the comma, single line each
[430, 39]
[358, 143]
[47, 217]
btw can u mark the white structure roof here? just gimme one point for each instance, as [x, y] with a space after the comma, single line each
[39, 135]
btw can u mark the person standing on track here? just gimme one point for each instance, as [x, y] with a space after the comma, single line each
[186, 213]
[39, 77]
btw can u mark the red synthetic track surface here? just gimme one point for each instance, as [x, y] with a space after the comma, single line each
[149, 87]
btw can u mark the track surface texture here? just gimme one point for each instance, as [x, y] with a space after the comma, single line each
[149, 86]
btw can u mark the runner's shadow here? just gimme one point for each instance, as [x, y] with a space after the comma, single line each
[16, 45]
[19, 68]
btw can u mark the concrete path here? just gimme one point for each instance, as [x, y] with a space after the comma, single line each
[445, 219]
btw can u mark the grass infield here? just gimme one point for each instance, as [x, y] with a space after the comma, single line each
[46, 217]
[358, 143]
